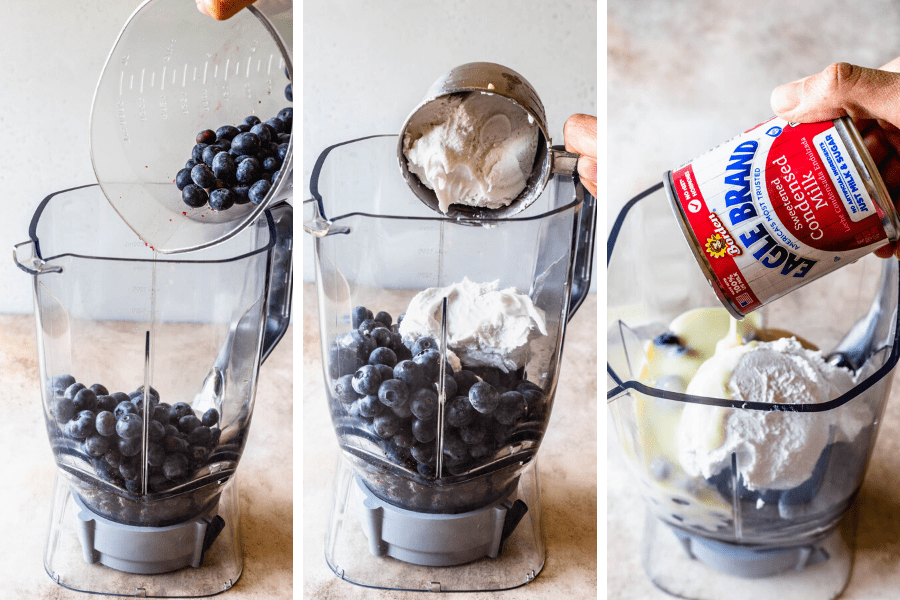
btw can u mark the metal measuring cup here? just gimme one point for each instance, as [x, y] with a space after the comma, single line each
[491, 78]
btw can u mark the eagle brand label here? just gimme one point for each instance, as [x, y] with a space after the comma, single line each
[775, 208]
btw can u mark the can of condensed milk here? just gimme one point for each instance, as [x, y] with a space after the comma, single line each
[781, 205]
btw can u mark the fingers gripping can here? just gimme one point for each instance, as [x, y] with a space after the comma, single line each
[781, 205]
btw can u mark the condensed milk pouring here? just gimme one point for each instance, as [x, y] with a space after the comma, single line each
[781, 205]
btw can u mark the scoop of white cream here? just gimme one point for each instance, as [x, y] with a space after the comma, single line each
[476, 150]
[486, 326]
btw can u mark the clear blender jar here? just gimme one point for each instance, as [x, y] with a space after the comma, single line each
[714, 537]
[172, 348]
[426, 505]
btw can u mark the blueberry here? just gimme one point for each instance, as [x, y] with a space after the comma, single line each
[249, 171]
[198, 455]
[264, 133]
[173, 444]
[460, 412]
[483, 397]
[214, 434]
[382, 336]
[453, 446]
[112, 457]
[450, 388]
[107, 403]
[368, 326]
[487, 374]
[286, 114]
[210, 417]
[161, 413]
[197, 152]
[366, 380]
[424, 453]
[61, 382]
[156, 454]
[190, 164]
[386, 425]
[202, 176]
[180, 409]
[194, 195]
[125, 408]
[289, 93]
[129, 426]
[276, 124]
[383, 356]
[402, 410]
[188, 423]
[207, 136]
[241, 194]
[423, 403]
[259, 191]
[430, 362]
[425, 470]
[424, 431]
[411, 374]
[343, 389]
[130, 446]
[199, 436]
[342, 361]
[281, 152]
[360, 314]
[105, 423]
[85, 400]
[386, 372]
[464, 379]
[156, 431]
[222, 199]
[175, 466]
[251, 120]
[226, 132]
[224, 144]
[183, 179]
[393, 392]
[473, 433]
[246, 143]
[511, 408]
[424, 343]
[242, 128]
[667, 339]
[370, 406]
[223, 166]
[209, 155]
[62, 409]
[271, 164]
[130, 470]
[73, 389]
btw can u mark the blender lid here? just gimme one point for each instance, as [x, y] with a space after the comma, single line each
[172, 73]
[859, 340]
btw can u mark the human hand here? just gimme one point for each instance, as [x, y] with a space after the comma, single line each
[222, 10]
[871, 97]
[580, 135]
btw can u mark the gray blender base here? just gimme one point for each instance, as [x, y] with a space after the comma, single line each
[741, 561]
[144, 550]
[435, 540]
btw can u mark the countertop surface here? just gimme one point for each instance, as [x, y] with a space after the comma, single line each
[264, 475]
[567, 464]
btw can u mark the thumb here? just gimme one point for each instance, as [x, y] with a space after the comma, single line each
[840, 90]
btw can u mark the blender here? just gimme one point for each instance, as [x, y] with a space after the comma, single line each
[148, 363]
[446, 507]
[713, 536]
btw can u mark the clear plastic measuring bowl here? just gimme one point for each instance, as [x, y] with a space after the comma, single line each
[172, 73]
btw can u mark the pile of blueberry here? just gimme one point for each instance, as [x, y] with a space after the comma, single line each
[109, 431]
[393, 389]
[236, 164]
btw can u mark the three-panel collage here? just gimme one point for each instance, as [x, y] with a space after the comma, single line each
[402, 401]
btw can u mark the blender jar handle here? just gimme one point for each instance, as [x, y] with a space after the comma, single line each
[584, 243]
[35, 265]
[278, 303]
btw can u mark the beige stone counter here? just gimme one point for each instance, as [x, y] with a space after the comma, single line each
[567, 466]
[28, 471]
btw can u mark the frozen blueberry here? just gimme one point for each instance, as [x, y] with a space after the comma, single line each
[384, 318]
[360, 314]
[411, 374]
[61, 382]
[190, 164]
[342, 361]
[370, 406]
[249, 171]
[85, 400]
[368, 326]
[210, 417]
[197, 152]
[343, 389]
[393, 392]
[209, 155]
[667, 339]
[424, 431]
[264, 132]
[259, 191]
[198, 455]
[484, 397]
[112, 457]
[156, 431]
[130, 470]
[460, 412]
[161, 413]
[450, 388]
[251, 120]
[242, 128]
[226, 132]
[383, 356]
[175, 466]
[271, 164]
[276, 124]
[194, 195]
[423, 403]
[188, 423]
[125, 408]
[223, 166]
[385, 371]
[207, 136]
[156, 454]
[464, 379]
[286, 114]
[202, 176]
[62, 409]
[225, 144]
[386, 425]
[289, 93]
[81, 426]
[107, 403]
[430, 362]
[199, 436]
[246, 143]
[174, 444]
[473, 433]
[129, 426]
[511, 408]
[382, 336]
[221, 199]
[241, 194]
[454, 447]
[424, 343]
[425, 470]
[105, 423]
[180, 409]
[281, 152]
[487, 374]
[214, 434]
[73, 389]
[183, 179]
[402, 410]
[424, 453]
[366, 380]
[130, 446]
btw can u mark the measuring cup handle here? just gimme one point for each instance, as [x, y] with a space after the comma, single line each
[278, 303]
[562, 162]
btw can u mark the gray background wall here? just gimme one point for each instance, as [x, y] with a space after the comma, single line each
[367, 64]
